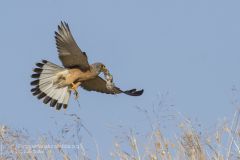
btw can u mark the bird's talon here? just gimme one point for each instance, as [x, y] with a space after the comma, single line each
[74, 87]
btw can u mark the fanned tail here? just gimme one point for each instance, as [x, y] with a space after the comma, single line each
[45, 88]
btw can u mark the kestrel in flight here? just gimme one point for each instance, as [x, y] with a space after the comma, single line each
[54, 83]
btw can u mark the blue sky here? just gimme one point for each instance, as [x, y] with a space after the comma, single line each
[187, 49]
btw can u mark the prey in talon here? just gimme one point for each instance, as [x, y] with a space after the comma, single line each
[54, 83]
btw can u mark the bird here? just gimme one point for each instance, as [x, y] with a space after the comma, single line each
[54, 83]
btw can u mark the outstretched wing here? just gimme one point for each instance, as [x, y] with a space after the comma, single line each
[99, 85]
[69, 52]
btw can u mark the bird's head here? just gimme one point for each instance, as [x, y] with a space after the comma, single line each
[99, 67]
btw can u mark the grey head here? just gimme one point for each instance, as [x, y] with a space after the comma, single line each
[98, 67]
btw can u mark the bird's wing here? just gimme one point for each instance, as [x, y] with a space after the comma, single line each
[69, 52]
[99, 85]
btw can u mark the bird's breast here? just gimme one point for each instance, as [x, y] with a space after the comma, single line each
[77, 75]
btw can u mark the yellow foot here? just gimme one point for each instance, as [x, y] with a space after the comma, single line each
[74, 88]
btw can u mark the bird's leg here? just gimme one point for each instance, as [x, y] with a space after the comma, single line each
[74, 88]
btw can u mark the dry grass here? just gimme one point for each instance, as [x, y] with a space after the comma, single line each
[188, 144]
[222, 144]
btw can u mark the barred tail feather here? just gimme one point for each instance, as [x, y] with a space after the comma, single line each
[44, 87]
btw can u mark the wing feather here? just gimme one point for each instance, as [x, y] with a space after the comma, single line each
[99, 85]
[69, 52]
